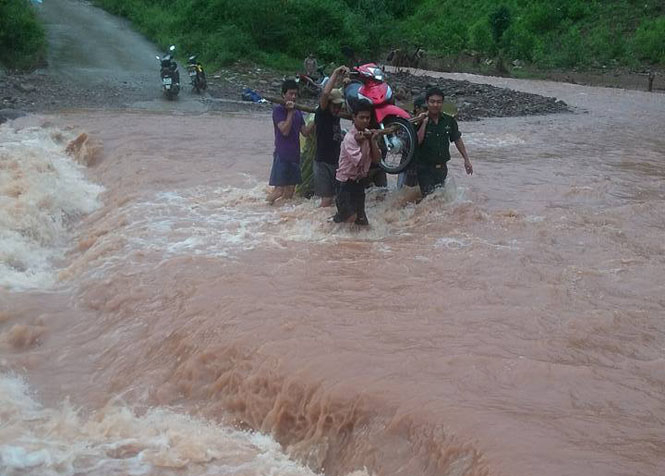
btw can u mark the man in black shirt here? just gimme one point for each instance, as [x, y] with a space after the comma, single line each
[328, 139]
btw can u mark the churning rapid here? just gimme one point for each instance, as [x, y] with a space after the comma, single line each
[157, 317]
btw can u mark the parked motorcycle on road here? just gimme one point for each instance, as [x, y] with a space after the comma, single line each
[310, 86]
[399, 139]
[196, 74]
[169, 74]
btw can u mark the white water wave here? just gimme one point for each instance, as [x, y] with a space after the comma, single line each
[43, 192]
[115, 440]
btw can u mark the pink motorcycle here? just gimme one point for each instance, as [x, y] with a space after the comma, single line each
[400, 139]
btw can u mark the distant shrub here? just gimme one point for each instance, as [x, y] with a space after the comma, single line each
[480, 37]
[648, 43]
[500, 20]
[570, 51]
[519, 42]
[22, 38]
[542, 17]
[603, 44]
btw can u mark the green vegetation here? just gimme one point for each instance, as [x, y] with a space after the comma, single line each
[274, 32]
[279, 33]
[548, 33]
[22, 38]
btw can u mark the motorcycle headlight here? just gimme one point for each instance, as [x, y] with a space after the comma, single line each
[377, 74]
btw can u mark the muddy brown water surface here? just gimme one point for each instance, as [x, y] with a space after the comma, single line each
[513, 325]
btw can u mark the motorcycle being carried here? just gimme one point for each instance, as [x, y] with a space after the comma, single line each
[196, 74]
[399, 137]
[169, 74]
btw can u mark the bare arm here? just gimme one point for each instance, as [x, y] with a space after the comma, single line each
[308, 129]
[325, 94]
[422, 129]
[285, 126]
[374, 150]
[459, 143]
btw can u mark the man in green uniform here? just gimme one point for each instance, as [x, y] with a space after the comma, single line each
[435, 134]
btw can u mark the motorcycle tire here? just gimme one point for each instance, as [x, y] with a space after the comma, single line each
[172, 93]
[404, 140]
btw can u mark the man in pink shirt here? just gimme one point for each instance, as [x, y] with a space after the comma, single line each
[357, 152]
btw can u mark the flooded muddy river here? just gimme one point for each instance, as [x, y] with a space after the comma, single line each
[157, 317]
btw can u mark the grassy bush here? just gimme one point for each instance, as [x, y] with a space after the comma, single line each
[550, 33]
[22, 38]
[648, 44]
[480, 37]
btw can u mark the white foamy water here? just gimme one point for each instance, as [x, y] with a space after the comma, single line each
[226, 221]
[115, 440]
[43, 192]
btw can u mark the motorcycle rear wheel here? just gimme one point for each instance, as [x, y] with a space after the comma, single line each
[172, 94]
[404, 142]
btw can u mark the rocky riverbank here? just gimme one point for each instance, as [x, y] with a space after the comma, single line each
[40, 92]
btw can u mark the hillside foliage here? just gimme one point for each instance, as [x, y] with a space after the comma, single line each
[547, 33]
[22, 37]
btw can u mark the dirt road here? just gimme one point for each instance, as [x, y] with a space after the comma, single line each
[95, 60]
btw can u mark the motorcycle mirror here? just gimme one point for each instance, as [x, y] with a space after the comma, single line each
[172, 48]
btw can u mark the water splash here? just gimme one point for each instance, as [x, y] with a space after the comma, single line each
[64, 441]
[43, 192]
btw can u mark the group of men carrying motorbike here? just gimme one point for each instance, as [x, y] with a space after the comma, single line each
[383, 138]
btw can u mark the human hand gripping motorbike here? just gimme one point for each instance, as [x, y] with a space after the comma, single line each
[398, 134]
[196, 74]
[169, 74]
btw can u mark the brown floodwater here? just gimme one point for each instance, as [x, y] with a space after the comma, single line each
[158, 317]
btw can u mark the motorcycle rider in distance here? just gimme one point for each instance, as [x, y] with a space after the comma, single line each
[169, 74]
[311, 66]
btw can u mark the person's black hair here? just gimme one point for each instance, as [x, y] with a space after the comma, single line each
[363, 106]
[434, 92]
[289, 84]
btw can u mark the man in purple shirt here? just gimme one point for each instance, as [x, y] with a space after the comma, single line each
[289, 124]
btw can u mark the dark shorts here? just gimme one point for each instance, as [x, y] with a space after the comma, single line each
[431, 177]
[351, 201]
[325, 183]
[284, 172]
